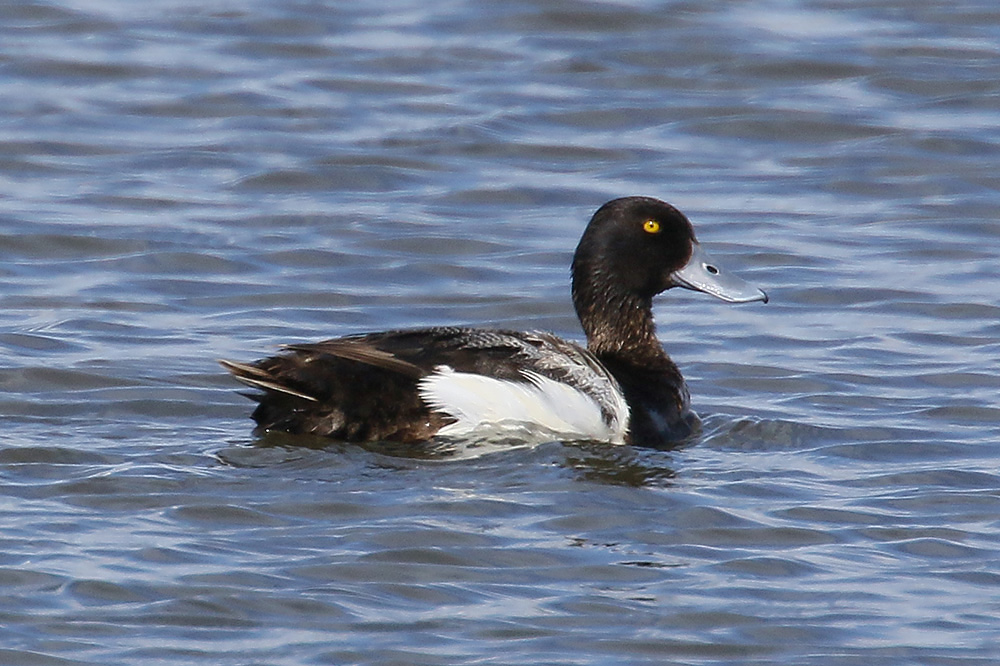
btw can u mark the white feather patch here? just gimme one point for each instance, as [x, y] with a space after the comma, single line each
[482, 404]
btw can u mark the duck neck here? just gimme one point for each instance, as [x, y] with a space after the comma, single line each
[619, 324]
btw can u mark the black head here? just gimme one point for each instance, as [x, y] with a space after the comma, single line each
[633, 249]
[636, 243]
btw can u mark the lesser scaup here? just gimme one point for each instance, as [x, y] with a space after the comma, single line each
[412, 385]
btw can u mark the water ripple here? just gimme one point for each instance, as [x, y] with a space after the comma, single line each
[185, 183]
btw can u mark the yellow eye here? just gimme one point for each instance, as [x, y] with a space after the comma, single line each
[651, 227]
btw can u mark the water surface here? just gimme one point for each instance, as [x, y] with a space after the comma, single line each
[182, 183]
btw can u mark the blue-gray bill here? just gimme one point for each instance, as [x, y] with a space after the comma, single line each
[700, 273]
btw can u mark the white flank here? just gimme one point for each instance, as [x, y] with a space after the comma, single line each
[481, 404]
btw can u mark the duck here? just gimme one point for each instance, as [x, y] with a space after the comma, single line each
[423, 384]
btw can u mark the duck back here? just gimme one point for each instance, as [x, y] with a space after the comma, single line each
[409, 386]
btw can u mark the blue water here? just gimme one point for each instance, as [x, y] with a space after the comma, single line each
[184, 182]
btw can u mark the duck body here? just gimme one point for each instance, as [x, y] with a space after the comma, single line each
[414, 385]
[411, 385]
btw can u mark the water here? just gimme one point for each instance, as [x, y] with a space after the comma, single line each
[184, 182]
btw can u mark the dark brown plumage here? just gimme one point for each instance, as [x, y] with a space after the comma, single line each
[403, 385]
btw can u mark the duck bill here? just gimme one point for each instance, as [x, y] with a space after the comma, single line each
[700, 273]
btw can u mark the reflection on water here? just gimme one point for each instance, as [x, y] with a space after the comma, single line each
[590, 461]
[623, 466]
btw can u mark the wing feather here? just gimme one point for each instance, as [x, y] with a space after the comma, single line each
[362, 351]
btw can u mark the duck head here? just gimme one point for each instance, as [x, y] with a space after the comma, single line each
[633, 249]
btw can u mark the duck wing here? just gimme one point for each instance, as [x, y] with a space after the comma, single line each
[404, 385]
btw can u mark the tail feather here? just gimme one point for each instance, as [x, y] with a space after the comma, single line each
[258, 378]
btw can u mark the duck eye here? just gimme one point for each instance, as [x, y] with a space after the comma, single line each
[651, 227]
[711, 269]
